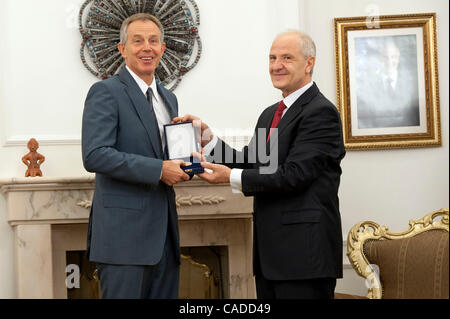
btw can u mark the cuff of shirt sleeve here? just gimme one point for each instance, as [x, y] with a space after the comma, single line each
[210, 146]
[235, 180]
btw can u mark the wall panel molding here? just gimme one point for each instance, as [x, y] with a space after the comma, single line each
[44, 140]
[64, 140]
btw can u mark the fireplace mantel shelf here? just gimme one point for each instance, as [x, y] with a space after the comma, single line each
[59, 200]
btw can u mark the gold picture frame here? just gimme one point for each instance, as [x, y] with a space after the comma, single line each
[387, 81]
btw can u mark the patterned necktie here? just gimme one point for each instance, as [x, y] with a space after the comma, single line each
[276, 118]
[150, 102]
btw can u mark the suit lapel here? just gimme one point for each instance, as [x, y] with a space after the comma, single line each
[295, 109]
[142, 108]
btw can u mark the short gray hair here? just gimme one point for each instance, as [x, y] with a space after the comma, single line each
[307, 44]
[139, 16]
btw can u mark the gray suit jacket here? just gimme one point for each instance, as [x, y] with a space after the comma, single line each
[131, 209]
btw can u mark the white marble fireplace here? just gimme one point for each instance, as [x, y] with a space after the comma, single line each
[49, 217]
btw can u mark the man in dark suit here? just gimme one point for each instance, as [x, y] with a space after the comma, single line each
[297, 224]
[133, 229]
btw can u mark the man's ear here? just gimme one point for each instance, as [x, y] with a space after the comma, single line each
[121, 48]
[310, 64]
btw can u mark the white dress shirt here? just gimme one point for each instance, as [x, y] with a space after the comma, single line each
[161, 112]
[236, 173]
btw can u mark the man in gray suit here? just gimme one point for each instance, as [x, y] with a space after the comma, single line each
[133, 228]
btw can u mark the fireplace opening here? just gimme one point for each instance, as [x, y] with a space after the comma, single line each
[81, 277]
[203, 274]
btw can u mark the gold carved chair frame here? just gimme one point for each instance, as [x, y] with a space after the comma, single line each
[369, 230]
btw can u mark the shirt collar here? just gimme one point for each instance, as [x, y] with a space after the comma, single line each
[142, 85]
[291, 98]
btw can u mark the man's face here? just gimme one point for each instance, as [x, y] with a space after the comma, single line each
[391, 57]
[143, 49]
[289, 70]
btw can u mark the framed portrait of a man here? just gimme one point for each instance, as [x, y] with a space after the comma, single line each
[387, 81]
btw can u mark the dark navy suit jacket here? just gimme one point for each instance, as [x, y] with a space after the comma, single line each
[131, 209]
[297, 224]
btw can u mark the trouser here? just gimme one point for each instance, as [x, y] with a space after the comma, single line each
[317, 288]
[142, 282]
[320, 288]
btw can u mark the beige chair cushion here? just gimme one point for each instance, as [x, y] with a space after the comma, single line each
[415, 267]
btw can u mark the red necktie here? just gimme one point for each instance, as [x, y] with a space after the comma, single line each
[276, 118]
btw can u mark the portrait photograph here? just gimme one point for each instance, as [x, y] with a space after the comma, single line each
[386, 77]
[387, 82]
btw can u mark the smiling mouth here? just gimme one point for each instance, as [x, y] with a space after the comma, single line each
[147, 59]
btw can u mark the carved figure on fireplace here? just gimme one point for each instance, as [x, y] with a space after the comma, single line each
[33, 159]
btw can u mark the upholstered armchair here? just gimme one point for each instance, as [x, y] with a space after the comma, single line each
[409, 264]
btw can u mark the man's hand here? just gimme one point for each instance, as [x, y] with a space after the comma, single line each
[198, 157]
[206, 134]
[172, 172]
[220, 173]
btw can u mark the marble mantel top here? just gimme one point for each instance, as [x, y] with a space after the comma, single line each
[48, 183]
[46, 180]
[62, 199]
[14, 184]
[60, 180]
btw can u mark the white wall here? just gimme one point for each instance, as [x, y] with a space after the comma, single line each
[43, 85]
[7, 272]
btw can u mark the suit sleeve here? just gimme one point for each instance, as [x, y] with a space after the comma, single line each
[99, 133]
[317, 148]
